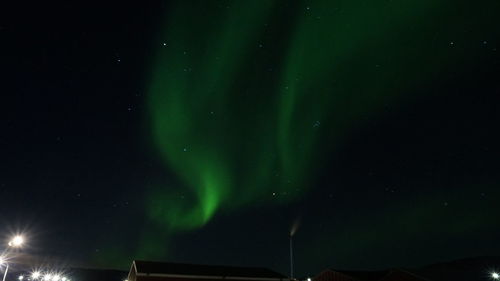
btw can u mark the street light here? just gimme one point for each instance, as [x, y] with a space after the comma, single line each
[17, 241]
[495, 275]
[35, 275]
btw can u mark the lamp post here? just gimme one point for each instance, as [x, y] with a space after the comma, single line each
[16, 242]
[2, 262]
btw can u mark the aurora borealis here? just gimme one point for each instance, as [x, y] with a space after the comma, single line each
[237, 121]
[201, 131]
[205, 92]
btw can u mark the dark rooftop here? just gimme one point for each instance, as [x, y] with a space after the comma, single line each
[365, 275]
[150, 267]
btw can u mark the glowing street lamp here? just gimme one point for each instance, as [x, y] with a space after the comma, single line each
[17, 241]
[495, 275]
[35, 275]
[20, 278]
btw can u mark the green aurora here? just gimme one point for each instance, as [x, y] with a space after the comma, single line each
[247, 97]
[203, 99]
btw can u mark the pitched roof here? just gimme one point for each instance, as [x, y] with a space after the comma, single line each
[168, 268]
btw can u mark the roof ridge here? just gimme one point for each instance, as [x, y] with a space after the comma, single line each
[175, 268]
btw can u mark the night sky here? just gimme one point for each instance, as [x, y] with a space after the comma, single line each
[206, 131]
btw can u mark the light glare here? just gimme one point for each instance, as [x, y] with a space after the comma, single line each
[35, 275]
[495, 275]
[17, 241]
